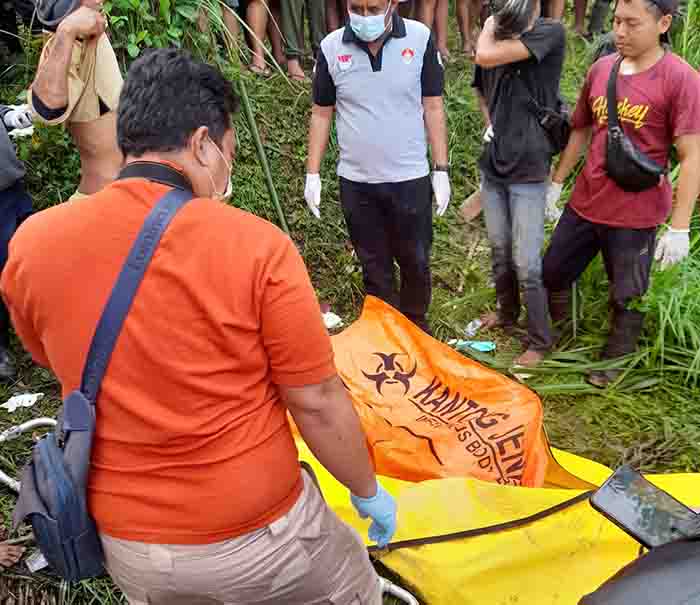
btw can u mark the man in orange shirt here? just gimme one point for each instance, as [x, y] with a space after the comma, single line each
[195, 483]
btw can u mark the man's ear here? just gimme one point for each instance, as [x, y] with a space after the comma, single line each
[198, 147]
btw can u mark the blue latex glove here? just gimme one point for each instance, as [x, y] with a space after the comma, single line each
[382, 509]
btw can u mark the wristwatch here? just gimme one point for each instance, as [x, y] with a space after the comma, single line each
[441, 168]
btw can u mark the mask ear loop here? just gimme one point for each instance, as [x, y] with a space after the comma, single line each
[229, 187]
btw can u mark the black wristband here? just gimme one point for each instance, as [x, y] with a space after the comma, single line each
[441, 168]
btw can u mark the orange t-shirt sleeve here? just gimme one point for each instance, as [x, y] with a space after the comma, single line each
[297, 343]
[17, 306]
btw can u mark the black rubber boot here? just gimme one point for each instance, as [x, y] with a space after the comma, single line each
[623, 339]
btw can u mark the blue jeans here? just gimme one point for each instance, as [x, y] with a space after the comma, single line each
[514, 217]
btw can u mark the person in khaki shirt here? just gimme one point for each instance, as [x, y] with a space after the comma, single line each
[78, 84]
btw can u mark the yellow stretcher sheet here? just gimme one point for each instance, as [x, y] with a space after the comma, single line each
[433, 418]
[554, 561]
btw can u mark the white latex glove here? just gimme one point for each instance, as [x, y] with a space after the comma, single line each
[312, 194]
[488, 134]
[441, 188]
[551, 212]
[673, 246]
[18, 118]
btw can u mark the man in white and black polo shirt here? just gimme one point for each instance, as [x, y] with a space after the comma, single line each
[384, 76]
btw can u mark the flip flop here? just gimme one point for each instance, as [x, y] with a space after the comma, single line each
[302, 79]
[263, 72]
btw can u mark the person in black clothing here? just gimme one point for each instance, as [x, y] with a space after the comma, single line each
[15, 206]
[519, 58]
[9, 34]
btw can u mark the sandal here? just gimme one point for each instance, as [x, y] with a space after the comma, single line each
[301, 78]
[263, 72]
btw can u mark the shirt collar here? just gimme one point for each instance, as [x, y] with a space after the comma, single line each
[398, 30]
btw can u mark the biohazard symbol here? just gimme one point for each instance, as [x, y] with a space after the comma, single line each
[390, 371]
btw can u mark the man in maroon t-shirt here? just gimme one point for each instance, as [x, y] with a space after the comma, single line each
[658, 99]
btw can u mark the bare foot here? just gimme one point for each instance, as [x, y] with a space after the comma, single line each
[529, 359]
[260, 70]
[10, 554]
[295, 71]
[491, 320]
[494, 320]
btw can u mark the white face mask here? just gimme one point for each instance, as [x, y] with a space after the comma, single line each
[369, 28]
[229, 187]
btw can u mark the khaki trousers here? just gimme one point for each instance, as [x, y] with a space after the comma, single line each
[307, 557]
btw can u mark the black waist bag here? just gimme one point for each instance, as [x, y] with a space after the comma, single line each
[53, 486]
[630, 168]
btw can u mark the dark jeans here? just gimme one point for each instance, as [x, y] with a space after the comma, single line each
[627, 255]
[387, 222]
[15, 206]
[514, 216]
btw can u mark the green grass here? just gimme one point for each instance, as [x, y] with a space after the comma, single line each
[647, 418]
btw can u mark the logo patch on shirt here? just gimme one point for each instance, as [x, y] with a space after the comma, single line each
[407, 54]
[344, 62]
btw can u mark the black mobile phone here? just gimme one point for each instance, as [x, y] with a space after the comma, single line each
[650, 515]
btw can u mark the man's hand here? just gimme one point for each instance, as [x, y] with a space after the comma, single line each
[18, 118]
[382, 509]
[551, 210]
[441, 188]
[83, 23]
[673, 247]
[312, 194]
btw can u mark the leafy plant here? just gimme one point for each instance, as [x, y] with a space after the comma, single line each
[136, 25]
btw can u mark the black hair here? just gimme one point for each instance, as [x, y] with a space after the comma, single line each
[657, 10]
[513, 17]
[166, 96]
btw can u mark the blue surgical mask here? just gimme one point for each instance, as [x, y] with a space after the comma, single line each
[369, 28]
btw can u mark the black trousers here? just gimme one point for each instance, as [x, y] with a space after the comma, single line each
[8, 27]
[391, 222]
[627, 255]
[15, 206]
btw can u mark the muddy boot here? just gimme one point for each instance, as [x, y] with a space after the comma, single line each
[599, 12]
[624, 335]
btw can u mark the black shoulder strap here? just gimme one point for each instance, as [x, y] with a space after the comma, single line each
[119, 303]
[613, 121]
[483, 531]
[532, 102]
